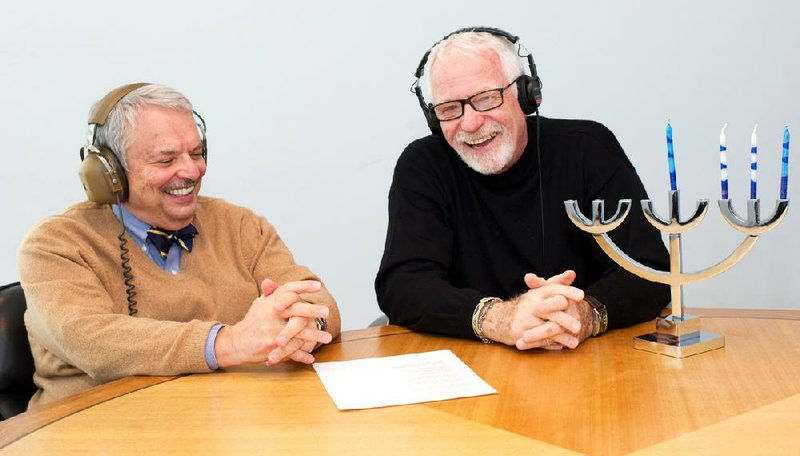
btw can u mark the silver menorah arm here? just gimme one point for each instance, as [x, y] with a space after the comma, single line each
[629, 264]
[674, 224]
[598, 223]
[753, 225]
[668, 277]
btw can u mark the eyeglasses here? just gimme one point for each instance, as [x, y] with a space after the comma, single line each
[480, 102]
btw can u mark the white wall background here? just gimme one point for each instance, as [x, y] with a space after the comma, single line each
[308, 108]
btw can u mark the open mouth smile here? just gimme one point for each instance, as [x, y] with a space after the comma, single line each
[182, 191]
[480, 141]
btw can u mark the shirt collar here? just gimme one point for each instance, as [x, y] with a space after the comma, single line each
[134, 226]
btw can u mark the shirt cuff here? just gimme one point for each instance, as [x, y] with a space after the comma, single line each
[211, 356]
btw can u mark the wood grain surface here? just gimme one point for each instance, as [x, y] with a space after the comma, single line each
[602, 398]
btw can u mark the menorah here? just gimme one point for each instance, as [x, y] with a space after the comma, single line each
[677, 335]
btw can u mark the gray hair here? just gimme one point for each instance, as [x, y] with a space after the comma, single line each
[114, 134]
[473, 44]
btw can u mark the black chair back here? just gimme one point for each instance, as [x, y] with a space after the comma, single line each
[16, 361]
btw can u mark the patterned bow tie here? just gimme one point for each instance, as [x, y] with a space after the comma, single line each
[163, 239]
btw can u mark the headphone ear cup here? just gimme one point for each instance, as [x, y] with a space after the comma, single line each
[529, 94]
[427, 108]
[102, 176]
[433, 122]
[200, 123]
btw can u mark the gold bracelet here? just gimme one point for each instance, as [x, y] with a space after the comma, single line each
[479, 315]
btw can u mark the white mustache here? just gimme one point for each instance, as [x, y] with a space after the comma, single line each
[488, 130]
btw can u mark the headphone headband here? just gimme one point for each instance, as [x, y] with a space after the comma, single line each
[104, 107]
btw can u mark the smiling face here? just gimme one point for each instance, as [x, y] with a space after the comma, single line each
[488, 142]
[165, 167]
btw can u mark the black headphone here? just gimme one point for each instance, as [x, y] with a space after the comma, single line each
[529, 87]
[102, 175]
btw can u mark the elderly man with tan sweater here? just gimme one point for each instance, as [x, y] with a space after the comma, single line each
[148, 277]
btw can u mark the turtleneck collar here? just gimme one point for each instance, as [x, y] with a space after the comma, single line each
[521, 171]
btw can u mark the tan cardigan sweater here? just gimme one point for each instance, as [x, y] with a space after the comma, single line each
[77, 317]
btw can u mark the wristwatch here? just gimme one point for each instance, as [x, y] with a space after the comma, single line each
[599, 315]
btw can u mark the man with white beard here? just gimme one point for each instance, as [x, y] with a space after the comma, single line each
[478, 243]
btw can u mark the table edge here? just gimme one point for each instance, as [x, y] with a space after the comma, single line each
[23, 424]
[729, 312]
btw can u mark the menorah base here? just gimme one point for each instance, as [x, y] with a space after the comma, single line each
[678, 337]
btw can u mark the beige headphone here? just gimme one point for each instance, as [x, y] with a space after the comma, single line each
[101, 173]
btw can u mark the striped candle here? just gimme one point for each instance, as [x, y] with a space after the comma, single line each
[671, 158]
[753, 163]
[723, 162]
[785, 163]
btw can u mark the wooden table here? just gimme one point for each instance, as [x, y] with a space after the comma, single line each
[602, 398]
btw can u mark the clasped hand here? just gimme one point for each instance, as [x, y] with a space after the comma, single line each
[550, 315]
[279, 325]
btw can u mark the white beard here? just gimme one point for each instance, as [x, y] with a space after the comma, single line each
[486, 163]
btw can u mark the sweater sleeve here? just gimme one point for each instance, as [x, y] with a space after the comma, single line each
[413, 286]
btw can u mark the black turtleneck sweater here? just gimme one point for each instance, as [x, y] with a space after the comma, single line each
[456, 236]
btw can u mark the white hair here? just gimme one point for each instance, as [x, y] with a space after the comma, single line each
[474, 44]
[114, 133]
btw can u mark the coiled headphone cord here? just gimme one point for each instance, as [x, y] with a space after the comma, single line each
[127, 274]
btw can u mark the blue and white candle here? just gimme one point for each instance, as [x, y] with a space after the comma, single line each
[671, 158]
[723, 162]
[785, 163]
[753, 163]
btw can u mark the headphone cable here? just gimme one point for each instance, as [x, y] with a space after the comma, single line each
[127, 274]
[541, 191]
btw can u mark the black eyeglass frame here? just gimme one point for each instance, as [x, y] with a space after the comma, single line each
[464, 101]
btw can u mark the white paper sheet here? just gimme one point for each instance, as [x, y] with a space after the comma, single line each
[402, 379]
